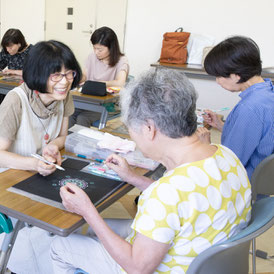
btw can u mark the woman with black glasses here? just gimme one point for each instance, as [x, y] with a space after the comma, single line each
[34, 116]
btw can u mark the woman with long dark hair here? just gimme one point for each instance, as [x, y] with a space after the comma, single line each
[105, 64]
[14, 51]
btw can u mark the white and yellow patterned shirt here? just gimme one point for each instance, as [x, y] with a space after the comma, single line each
[193, 207]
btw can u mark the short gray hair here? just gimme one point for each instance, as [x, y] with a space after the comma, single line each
[164, 96]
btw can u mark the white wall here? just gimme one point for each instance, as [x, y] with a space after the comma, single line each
[27, 15]
[147, 21]
[214, 97]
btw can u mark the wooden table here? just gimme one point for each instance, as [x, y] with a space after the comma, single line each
[52, 219]
[81, 101]
[7, 83]
[198, 71]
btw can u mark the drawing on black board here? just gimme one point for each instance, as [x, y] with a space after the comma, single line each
[46, 188]
[68, 179]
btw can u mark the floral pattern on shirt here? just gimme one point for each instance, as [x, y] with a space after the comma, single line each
[16, 61]
[193, 207]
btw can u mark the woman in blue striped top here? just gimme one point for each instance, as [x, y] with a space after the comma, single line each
[249, 129]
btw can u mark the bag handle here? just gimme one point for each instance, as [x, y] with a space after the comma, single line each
[180, 29]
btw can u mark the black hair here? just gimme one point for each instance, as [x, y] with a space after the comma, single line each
[236, 55]
[13, 36]
[45, 58]
[107, 37]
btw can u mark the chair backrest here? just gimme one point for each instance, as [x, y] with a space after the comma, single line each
[262, 180]
[5, 224]
[129, 78]
[232, 255]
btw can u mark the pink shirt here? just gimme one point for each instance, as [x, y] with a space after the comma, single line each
[98, 71]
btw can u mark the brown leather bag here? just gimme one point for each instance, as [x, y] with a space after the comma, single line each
[174, 48]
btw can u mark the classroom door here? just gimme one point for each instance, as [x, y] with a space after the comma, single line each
[73, 21]
[113, 13]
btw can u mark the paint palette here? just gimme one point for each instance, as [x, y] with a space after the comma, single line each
[100, 169]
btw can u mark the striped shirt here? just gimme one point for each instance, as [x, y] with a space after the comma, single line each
[249, 128]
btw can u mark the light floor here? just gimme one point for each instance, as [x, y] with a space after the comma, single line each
[126, 208]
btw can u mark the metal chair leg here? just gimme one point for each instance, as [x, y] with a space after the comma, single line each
[7, 246]
[254, 256]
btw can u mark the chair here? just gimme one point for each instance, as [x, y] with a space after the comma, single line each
[5, 250]
[262, 182]
[129, 78]
[232, 255]
[5, 224]
[111, 107]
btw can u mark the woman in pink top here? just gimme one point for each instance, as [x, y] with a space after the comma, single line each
[106, 64]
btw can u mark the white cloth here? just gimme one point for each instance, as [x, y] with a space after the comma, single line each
[30, 135]
[90, 255]
[116, 143]
[30, 254]
[195, 47]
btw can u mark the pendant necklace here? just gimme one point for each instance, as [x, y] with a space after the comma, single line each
[46, 136]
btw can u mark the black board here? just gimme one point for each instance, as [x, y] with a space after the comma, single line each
[46, 188]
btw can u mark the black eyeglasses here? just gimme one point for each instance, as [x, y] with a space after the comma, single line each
[56, 77]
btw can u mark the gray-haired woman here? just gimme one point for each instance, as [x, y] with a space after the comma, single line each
[202, 199]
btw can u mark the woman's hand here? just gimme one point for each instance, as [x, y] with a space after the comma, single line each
[204, 135]
[52, 154]
[75, 199]
[121, 167]
[126, 173]
[43, 168]
[213, 119]
[12, 72]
